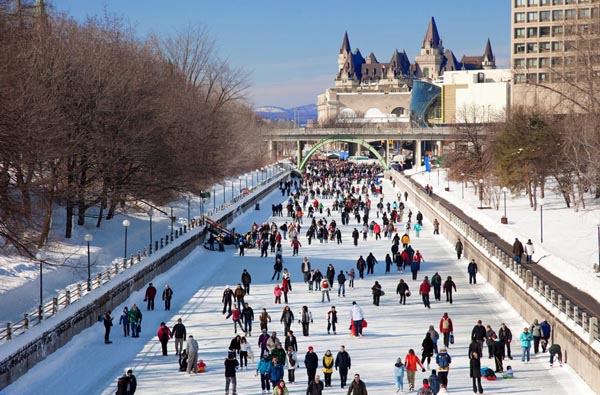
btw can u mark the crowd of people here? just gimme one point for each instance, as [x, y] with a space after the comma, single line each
[352, 192]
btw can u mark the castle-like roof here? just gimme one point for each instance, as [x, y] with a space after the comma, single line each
[488, 55]
[345, 44]
[432, 37]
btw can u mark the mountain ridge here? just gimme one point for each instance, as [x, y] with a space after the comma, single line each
[299, 114]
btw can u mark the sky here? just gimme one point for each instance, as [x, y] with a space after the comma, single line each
[290, 48]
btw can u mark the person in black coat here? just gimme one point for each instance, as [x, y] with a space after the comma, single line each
[290, 341]
[472, 270]
[315, 387]
[126, 384]
[401, 290]
[343, 363]
[475, 372]
[311, 362]
[166, 296]
[388, 263]
[419, 218]
[108, 322]
[427, 349]
[376, 290]
[227, 299]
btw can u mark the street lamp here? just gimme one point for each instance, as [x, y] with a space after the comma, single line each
[224, 184]
[481, 193]
[438, 171]
[88, 237]
[257, 175]
[41, 256]
[541, 202]
[462, 185]
[504, 219]
[246, 180]
[172, 218]
[150, 214]
[231, 181]
[126, 224]
[189, 202]
[214, 198]
[240, 178]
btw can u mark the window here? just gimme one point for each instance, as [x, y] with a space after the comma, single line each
[532, 78]
[532, 47]
[426, 72]
[532, 63]
[532, 16]
[519, 78]
[545, 15]
[558, 15]
[555, 2]
[556, 62]
[570, 14]
[545, 31]
[585, 13]
[543, 77]
[532, 32]
[544, 62]
[557, 31]
[557, 46]
[545, 47]
[519, 48]
[584, 29]
[520, 32]
[519, 17]
[519, 63]
[519, 3]
[570, 1]
[532, 2]
[545, 2]
[569, 45]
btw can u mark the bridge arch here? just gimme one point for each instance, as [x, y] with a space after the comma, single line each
[362, 143]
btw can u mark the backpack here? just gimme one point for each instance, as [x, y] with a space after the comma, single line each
[446, 324]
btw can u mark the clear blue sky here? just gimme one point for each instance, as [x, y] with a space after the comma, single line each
[290, 48]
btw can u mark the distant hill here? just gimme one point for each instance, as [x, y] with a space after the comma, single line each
[298, 114]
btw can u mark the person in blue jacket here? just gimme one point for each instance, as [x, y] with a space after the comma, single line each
[546, 330]
[276, 372]
[264, 368]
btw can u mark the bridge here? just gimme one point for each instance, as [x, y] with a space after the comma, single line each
[430, 139]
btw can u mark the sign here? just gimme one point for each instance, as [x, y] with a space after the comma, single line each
[205, 194]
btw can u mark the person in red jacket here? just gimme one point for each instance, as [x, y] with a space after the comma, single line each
[446, 328]
[164, 334]
[295, 245]
[150, 295]
[411, 361]
[424, 290]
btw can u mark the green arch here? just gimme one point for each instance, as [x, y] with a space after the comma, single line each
[362, 142]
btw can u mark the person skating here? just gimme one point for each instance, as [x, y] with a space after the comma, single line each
[107, 319]
[402, 290]
[183, 361]
[315, 387]
[311, 362]
[246, 281]
[179, 333]
[458, 247]
[425, 389]
[231, 365]
[227, 300]
[272, 342]
[388, 263]
[490, 337]
[290, 341]
[472, 270]
[343, 363]
[446, 328]
[332, 320]
[475, 372]
[355, 236]
[264, 319]
[526, 340]
[305, 318]
[427, 347]
[546, 331]
[236, 318]
[305, 267]
[317, 276]
[239, 295]
[436, 283]
[124, 321]
[435, 336]
[399, 371]
[411, 361]
[167, 295]
[277, 267]
[276, 371]
[370, 261]
[192, 354]
[291, 361]
[357, 316]
[264, 368]
[126, 384]
[280, 389]
[424, 290]
[286, 285]
[443, 360]
[325, 286]
[360, 266]
[341, 278]
[479, 334]
[164, 334]
[555, 352]
[287, 318]
[247, 315]
[330, 273]
[149, 297]
[357, 386]
[245, 352]
[376, 291]
[449, 285]
[327, 363]
[505, 336]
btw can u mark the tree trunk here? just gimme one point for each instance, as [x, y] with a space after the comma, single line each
[45, 233]
[81, 205]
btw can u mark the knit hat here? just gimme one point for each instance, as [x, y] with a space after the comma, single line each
[310, 348]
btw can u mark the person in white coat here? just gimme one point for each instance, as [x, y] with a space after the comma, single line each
[357, 315]
[291, 361]
[529, 251]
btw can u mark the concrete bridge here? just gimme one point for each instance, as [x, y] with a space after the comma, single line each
[418, 139]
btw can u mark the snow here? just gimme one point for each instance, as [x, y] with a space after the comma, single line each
[86, 365]
[271, 109]
[571, 239]
[19, 277]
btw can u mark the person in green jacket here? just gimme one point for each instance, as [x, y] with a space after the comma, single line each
[135, 319]
[555, 351]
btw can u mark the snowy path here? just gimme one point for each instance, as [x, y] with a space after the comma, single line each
[86, 365]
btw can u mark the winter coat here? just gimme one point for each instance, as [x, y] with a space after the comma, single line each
[505, 335]
[167, 294]
[290, 341]
[490, 334]
[291, 361]
[280, 391]
[191, 346]
[546, 329]
[449, 285]
[163, 333]
[343, 360]
[402, 288]
[357, 313]
[475, 368]
[341, 278]
[376, 289]
[239, 293]
[246, 278]
[427, 346]
[518, 248]
[247, 314]
[135, 316]
[535, 330]
[446, 325]
[227, 295]
[179, 331]
[529, 248]
[526, 339]
[328, 363]
[264, 366]
[305, 317]
[425, 288]
[458, 247]
[150, 292]
[411, 362]
[357, 388]
[472, 268]
[230, 365]
[360, 264]
[478, 332]
[399, 370]
[434, 383]
[315, 388]
[311, 360]
[287, 316]
[276, 373]
[443, 360]
[280, 354]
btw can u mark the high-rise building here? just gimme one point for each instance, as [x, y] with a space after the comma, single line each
[547, 40]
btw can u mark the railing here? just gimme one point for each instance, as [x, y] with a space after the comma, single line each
[564, 309]
[74, 292]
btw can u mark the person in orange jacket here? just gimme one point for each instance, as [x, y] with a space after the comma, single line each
[411, 361]
[164, 334]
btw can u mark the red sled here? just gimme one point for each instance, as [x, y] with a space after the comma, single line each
[364, 325]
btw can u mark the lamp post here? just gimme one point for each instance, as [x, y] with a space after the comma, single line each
[40, 256]
[240, 178]
[126, 224]
[246, 179]
[224, 184]
[256, 176]
[172, 218]
[189, 202]
[481, 193]
[150, 214]
[462, 185]
[504, 219]
[214, 199]
[231, 181]
[438, 171]
[541, 202]
[88, 237]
